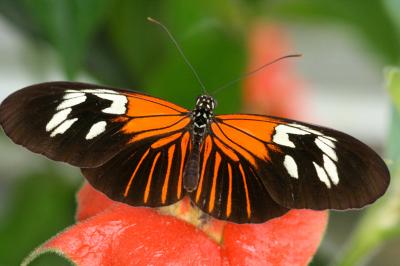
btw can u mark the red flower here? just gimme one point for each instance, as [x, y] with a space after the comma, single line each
[112, 233]
[278, 90]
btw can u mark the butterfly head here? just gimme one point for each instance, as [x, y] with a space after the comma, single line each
[206, 103]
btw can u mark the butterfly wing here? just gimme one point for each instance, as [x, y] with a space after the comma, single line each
[298, 165]
[130, 146]
[83, 124]
[144, 174]
[229, 188]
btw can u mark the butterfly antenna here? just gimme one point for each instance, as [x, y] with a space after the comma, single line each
[254, 72]
[180, 51]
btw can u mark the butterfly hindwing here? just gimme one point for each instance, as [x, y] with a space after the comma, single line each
[147, 173]
[229, 189]
[302, 165]
[83, 124]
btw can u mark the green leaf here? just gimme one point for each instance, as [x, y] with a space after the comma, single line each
[41, 205]
[381, 221]
[208, 32]
[69, 26]
[215, 50]
[130, 34]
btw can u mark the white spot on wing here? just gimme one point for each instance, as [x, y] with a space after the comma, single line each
[95, 91]
[57, 119]
[328, 141]
[118, 106]
[291, 166]
[322, 175]
[69, 102]
[326, 149]
[281, 135]
[331, 169]
[63, 127]
[119, 101]
[96, 129]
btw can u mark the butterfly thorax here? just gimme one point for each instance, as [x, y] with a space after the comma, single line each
[202, 116]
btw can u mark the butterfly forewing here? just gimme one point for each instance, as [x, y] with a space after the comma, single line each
[83, 124]
[305, 166]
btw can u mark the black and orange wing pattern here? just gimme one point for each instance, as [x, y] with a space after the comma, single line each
[229, 188]
[129, 145]
[134, 148]
[257, 167]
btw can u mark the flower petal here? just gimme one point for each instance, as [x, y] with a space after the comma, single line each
[124, 235]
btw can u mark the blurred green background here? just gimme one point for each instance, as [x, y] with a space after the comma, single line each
[346, 47]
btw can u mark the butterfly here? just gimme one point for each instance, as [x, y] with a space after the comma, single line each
[145, 151]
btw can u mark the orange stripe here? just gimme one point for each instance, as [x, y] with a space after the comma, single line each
[229, 204]
[211, 203]
[163, 130]
[207, 151]
[134, 173]
[171, 151]
[228, 152]
[164, 141]
[247, 192]
[184, 144]
[221, 135]
[141, 124]
[258, 129]
[147, 191]
[251, 143]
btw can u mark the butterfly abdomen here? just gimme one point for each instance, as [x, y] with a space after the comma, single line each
[192, 170]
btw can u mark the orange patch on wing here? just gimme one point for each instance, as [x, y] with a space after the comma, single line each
[171, 151]
[142, 105]
[217, 132]
[150, 178]
[164, 141]
[207, 150]
[251, 144]
[184, 145]
[217, 163]
[136, 125]
[171, 128]
[229, 203]
[248, 204]
[260, 130]
[227, 151]
[128, 186]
